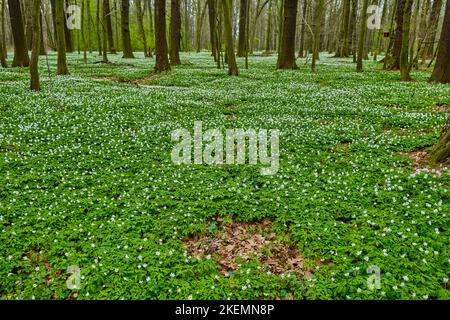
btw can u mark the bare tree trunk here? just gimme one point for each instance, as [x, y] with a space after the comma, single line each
[287, 51]
[126, 40]
[60, 22]
[232, 66]
[432, 27]
[242, 27]
[107, 14]
[175, 32]
[317, 24]
[162, 60]
[36, 22]
[302, 30]
[394, 57]
[140, 21]
[441, 72]
[404, 62]
[212, 27]
[21, 58]
[362, 37]
[99, 38]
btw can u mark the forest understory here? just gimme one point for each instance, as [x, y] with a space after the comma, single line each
[87, 180]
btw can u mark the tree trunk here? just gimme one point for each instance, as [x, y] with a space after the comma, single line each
[109, 29]
[3, 38]
[302, 31]
[140, 21]
[287, 51]
[432, 28]
[352, 29]
[21, 58]
[126, 40]
[231, 57]
[441, 72]
[162, 60]
[269, 29]
[317, 24]
[212, 28]
[186, 27]
[394, 57]
[362, 37]
[152, 29]
[404, 61]
[67, 31]
[440, 153]
[242, 27]
[104, 35]
[175, 32]
[99, 28]
[343, 48]
[61, 41]
[36, 22]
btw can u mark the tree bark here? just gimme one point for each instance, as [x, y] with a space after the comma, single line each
[343, 49]
[67, 31]
[36, 23]
[109, 29]
[140, 21]
[302, 30]
[317, 25]
[242, 27]
[126, 39]
[21, 58]
[432, 28]
[212, 27]
[231, 57]
[287, 51]
[394, 57]
[404, 61]
[440, 152]
[441, 72]
[362, 37]
[175, 32]
[162, 60]
[61, 41]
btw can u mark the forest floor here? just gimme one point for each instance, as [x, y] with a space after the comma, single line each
[87, 180]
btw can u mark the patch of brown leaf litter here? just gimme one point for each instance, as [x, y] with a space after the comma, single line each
[234, 242]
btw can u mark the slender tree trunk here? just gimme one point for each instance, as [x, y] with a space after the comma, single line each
[3, 38]
[60, 22]
[317, 24]
[36, 22]
[212, 27]
[432, 27]
[362, 37]
[21, 58]
[152, 29]
[242, 27]
[269, 28]
[404, 62]
[303, 29]
[67, 31]
[83, 26]
[99, 29]
[441, 72]
[232, 66]
[352, 30]
[140, 21]
[107, 14]
[186, 27]
[126, 40]
[175, 32]
[88, 25]
[4, 28]
[394, 63]
[162, 60]
[104, 35]
[287, 52]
